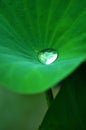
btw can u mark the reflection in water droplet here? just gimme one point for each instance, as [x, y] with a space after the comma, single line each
[47, 56]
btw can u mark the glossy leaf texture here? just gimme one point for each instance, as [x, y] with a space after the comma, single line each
[68, 111]
[29, 26]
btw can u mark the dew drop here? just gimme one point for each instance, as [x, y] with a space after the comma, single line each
[47, 56]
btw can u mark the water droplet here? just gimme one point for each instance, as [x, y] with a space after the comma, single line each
[47, 56]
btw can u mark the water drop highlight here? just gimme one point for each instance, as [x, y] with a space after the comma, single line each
[47, 56]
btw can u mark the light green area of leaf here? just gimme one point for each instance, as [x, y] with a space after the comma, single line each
[68, 111]
[21, 112]
[29, 26]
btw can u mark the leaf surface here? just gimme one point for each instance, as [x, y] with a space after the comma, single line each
[26, 28]
[68, 111]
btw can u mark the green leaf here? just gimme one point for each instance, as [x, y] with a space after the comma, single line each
[29, 26]
[68, 111]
